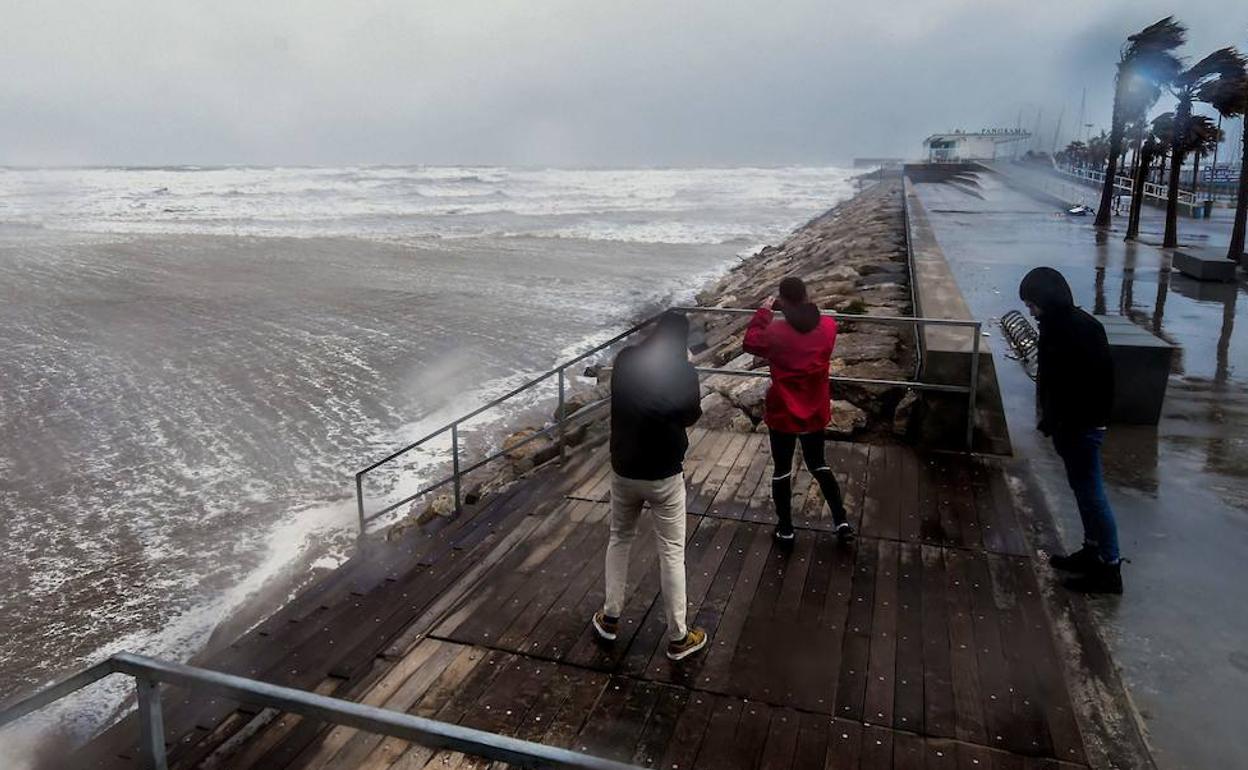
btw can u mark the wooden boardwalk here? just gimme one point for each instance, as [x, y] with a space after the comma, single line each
[923, 644]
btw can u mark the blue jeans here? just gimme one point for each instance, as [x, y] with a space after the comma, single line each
[1081, 452]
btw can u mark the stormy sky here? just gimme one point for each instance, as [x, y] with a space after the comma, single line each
[552, 82]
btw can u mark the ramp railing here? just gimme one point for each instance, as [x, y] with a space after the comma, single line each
[559, 426]
[150, 673]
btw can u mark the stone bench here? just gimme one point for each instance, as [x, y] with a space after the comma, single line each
[1203, 264]
[1142, 364]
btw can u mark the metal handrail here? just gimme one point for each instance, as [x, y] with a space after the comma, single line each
[559, 427]
[150, 673]
[1126, 184]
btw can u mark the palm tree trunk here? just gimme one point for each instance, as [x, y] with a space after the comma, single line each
[1172, 201]
[1115, 148]
[1137, 196]
[1182, 116]
[1236, 250]
[1196, 175]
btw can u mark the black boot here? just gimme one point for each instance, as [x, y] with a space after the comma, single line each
[1083, 560]
[1100, 579]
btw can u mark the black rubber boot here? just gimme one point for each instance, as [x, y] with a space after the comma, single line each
[1101, 579]
[1083, 560]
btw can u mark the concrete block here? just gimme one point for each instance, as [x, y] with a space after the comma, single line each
[1142, 364]
[1203, 264]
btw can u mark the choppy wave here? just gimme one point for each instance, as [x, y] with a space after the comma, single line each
[636, 205]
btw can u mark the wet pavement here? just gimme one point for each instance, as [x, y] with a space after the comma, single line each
[1180, 489]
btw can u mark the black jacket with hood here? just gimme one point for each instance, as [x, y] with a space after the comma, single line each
[1075, 377]
[654, 396]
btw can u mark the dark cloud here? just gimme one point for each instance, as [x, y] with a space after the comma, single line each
[558, 82]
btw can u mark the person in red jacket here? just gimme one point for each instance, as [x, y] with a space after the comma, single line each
[799, 401]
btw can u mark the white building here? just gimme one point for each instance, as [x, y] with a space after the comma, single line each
[959, 146]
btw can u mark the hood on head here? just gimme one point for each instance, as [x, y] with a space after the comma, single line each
[1047, 289]
[803, 317]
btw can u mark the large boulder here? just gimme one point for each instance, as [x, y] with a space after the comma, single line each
[847, 419]
[717, 412]
[525, 457]
[856, 347]
[903, 415]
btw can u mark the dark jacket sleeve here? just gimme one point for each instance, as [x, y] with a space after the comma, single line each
[690, 405]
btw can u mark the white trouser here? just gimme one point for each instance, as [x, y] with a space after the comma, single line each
[667, 506]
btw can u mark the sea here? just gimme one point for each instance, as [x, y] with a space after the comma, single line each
[194, 361]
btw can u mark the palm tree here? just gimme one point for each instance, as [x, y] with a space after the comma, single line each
[1149, 151]
[1224, 62]
[1144, 62]
[1229, 96]
[1203, 135]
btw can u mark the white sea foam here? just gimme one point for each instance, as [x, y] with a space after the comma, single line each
[635, 205]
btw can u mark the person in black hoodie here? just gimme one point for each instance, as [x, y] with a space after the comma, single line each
[654, 397]
[1074, 393]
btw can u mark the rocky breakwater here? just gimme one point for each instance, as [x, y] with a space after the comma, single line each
[854, 261]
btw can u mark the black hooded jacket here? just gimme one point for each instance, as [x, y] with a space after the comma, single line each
[654, 397]
[1075, 373]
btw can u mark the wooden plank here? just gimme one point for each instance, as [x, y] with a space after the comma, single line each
[882, 660]
[909, 522]
[757, 475]
[1014, 539]
[716, 671]
[991, 528]
[969, 719]
[844, 745]
[719, 743]
[661, 726]
[1052, 694]
[781, 744]
[877, 746]
[615, 726]
[744, 461]
[909, 752]
[856, 641]
[1004, 728]
[571, 718]
[705, 492]
[814, 671]
[703, 564]
[812, 742]
[874, 515]
[1022, 650]
[963, 515]
[942, 754]
[687, 737]
[939, 713]
[931, 525]
[751, 736]
[908, 693]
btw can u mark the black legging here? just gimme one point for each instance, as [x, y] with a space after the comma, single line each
[782, 446]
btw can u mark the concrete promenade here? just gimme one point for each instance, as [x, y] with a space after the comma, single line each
[1180, 490]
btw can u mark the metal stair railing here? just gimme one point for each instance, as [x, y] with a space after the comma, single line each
[150, 673]
[1152, 190]
[559, 427]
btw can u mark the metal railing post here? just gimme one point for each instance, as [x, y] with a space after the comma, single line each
[359, 500]
[974, 386]
[151, 723]
[455, 462]
[560, 416]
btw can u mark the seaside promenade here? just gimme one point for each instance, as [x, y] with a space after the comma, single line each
[926, 643]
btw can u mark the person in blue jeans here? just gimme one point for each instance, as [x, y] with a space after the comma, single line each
[1075, 394]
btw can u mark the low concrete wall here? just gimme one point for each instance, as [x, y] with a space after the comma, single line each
[946, 352]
